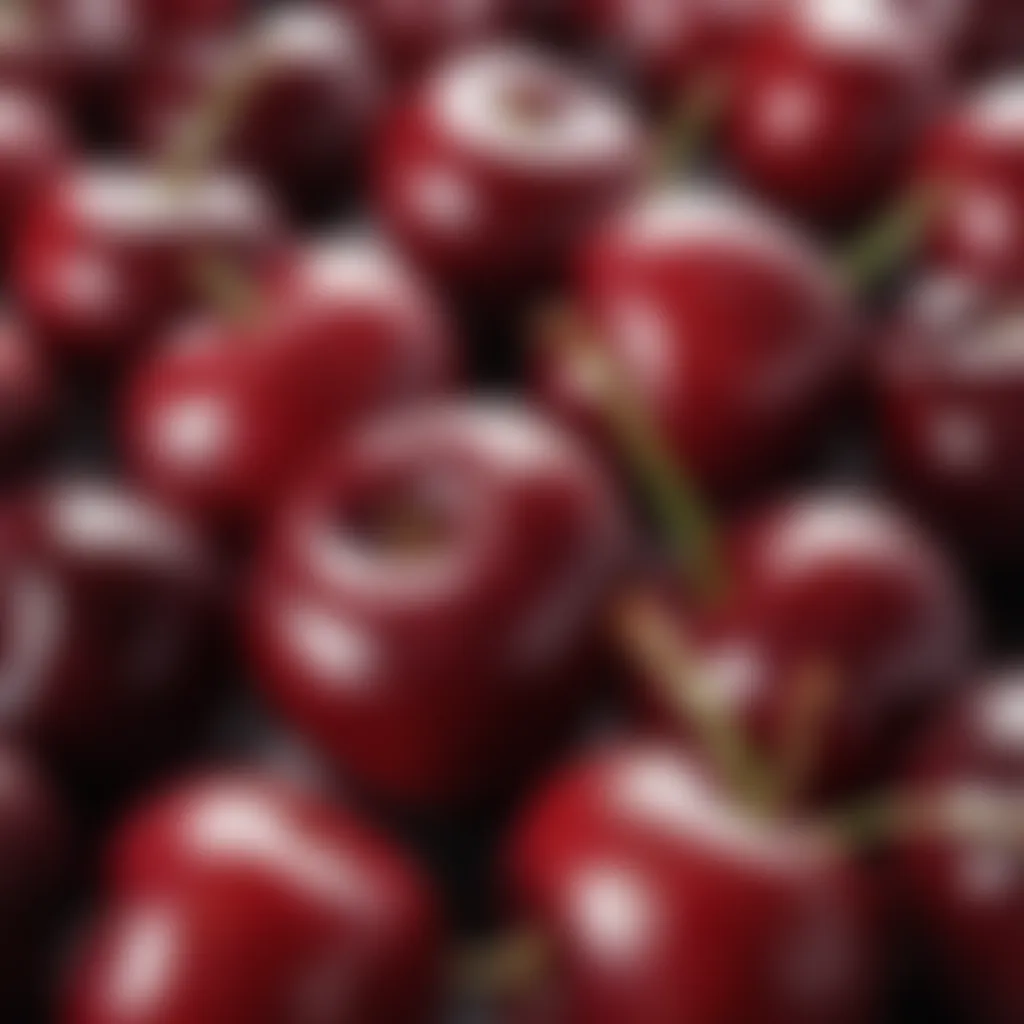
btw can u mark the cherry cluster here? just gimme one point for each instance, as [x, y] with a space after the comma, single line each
[512, 510]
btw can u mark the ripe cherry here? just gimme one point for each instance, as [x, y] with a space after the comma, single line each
[110, 252]
[425, 602]
[108, 609]
[965, 892]
[950, 382]
[656, 896]
[737, 389]
[827, 102]
[219, 418]
[250, 900]
[490, 172]
[28, 403]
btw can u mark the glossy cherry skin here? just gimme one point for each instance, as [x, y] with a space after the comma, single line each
[109, 602]
[966, 895]
[28, 399]
[259, 902]
[975, 155]
[492, 169]
[658, 896]
[33, 151]
[300, 122]
[410, 38]
[979, 35]
[110, 252]
[826, 103]
[847, 588]
[950, 383]
[727, 325]
[435, 670]
[221, 416]
[34, 857]
[668, 48]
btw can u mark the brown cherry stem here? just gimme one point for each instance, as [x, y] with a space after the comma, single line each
[503, 968]
[672, 495]
[690, 123]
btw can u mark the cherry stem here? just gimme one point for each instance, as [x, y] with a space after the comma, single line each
[890, 242]
[654, 640]
[503, 968]
[229, 288]
[690, 123]
[671, 493]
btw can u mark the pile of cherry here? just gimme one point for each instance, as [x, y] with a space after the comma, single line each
[580, 436]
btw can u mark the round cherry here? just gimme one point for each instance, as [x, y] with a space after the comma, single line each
[826, 103]
[965, 892]
[490, 172]
[258, 901]
[656, 895]
[736, 388]
[221, 416]
[110, 252]
[108, 609]
[425, 602]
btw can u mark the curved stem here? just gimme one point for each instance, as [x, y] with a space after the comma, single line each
[690, 123]
[501, 969]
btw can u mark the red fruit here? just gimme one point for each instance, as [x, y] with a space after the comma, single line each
[33, 150]
[975, 155]
[827, 102]
[951, 388]
[428, 594]
[411, 37]
[222, 416]
[966, 894]
[491, 171]
[107, 610]
[242, 900]
[310, 97]
[728, 326]
[27, 396]
[852, 592]
[979, 34]
[109, 253]
[665, 904]
[669, 47]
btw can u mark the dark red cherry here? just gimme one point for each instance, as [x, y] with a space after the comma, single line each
[663, 903]
[844, 595]
[28, 400]
[975, 157]
[308, 97]
[242, 899]
[826, 103]
[108, 607]
[221, 416]
[950, 380]
[426, 598]
[493, 168]
[965, 892]
[739, 390]
[980, 35]
[110, 252]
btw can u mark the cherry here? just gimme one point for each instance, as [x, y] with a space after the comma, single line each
[668, 47]
[27, 396]
[250, 900]
[491, 171]
[737, 389]
[966, 892]
[305, 95]
[656, 896]
[108, 608]
[412, 37]
[109, 252]
[219, 418]
[950, 382]
[34, 839]
[424, 603]
[834, 600]
[33, 151]
[826, 103]
[979, 34]
[975, 156]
